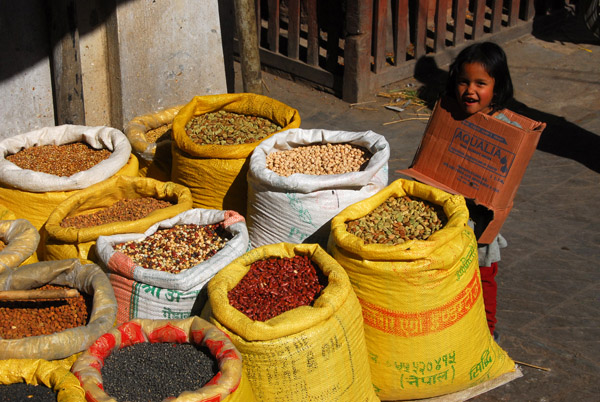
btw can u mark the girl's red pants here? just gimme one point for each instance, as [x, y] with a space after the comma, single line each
[490, 291]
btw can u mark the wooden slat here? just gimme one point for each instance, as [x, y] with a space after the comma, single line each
[441, 19]
[312, 51]
[513, 12]
[333, 28]
[460, 15]
[421, 29]
[293, 28]
[273, 32]
[357, 83]
[379, 32]
[400, 25]
[478, 19]
[496, 16]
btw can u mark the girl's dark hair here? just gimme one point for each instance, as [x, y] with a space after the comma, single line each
[493, 59]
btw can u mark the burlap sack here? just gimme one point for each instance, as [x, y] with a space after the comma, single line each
[89, 279]
[216, 174]
[422, 304]
[22, 240]
[310, 353]
[230, 385]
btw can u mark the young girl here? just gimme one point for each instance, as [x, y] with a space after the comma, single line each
[480, 81]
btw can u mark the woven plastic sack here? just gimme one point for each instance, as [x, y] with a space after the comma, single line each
[51, 374]
[310, 353]
[216, 174]
[154, 156]
[299, 208]
[153, 294]
[229, 385]
[89, 279]
[422, 303]
[34, 195]
[22, 240]
[69, 242]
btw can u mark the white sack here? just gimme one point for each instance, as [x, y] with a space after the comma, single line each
[299, 208]
[100, 137]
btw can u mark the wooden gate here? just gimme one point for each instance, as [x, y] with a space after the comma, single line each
[352, 47]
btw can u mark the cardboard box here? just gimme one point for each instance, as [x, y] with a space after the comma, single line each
[480, 157]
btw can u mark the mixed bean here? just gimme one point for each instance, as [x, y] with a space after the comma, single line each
[59, 160]
[229, 128]
[148, 372]
[320, 159]
[24, 318]
[276, 285]
[129, 209]
[397, 220]
[178, 248]
[161, 133]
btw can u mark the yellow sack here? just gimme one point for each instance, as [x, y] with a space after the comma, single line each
[310, 353]
[154, 156]
[6, 214]
[229, 385]
[34, 195]
[61, 243]
[51, 374]
[89, 279]
[22, 240]
[422, 303]
[216, 174]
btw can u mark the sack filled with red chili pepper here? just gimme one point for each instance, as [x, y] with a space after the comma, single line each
[291, 312]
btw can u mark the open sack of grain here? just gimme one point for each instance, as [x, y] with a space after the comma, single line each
[299, 179]
[151, 137]
[120, 204]
[177, 360]
[213, 137]
[39, 379]
[162, 273]
[57, 327]
[291, 312]
[42, 168]
[412, 261]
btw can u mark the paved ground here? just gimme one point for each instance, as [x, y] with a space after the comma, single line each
[549, 276]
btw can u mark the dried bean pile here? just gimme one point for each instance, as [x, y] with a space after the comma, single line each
[2, 245]
[178, 248]
[59, 160]
[148, 372]
[129, 209]
[229, 128]
[159, 134]
[321, 159]
[24, 318]
[397, 220]
[276, 285]
[19, 392]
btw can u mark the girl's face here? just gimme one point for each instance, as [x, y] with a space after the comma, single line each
[474, 88]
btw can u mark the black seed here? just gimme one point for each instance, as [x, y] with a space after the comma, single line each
[148, 372]
[21, 391]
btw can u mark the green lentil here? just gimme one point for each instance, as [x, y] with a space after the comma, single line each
[398, 220]
[229, 128]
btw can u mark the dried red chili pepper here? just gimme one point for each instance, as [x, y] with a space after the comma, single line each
[276, 285]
